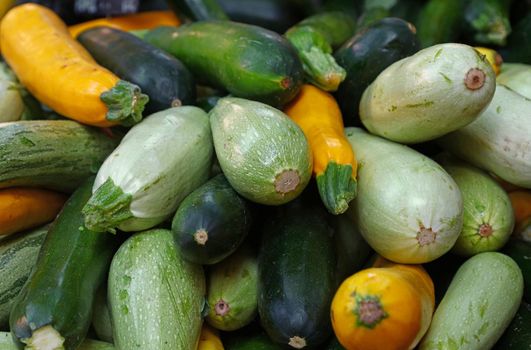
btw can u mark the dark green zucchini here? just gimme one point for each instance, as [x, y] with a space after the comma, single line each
[166, 81]
[440, 21]
[198, 10]
[520, 251]
[487, 21]
[314, 38]
[296, 273]
[211, 222]
[252, 341]
[518, 335]
[366, 55]
[245, 60]
[55, 304]
[518, 48]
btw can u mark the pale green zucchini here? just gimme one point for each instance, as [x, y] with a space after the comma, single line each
[157, 164]
[155, 296]
[6, 343]
[419, 98]
[498, 141]
[101, 316]
[408, 208]
[516, 76]
[11, 103]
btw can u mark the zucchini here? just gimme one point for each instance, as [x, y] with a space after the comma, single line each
[155, 296]
[518, 48]
[296, 273]
[368, 53]
[46, 153]
[233, 291]
[404, 108]
[218, 54]
[440, 21]
[314, 38]
[497, 141]
[479, 305]
[6, 343]
[262, 152]
[412, 217]
[198, 10]
[166, 81]
[141, 184]
[101, 316]
[334, 344]
[518, 335]
[520, 251]
[487, 21]
[11, 101]
[253, 341]
[18, 255]
[211, 222]
[517, 77]
[55, 305]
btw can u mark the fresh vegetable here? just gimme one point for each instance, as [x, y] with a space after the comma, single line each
[493, 57]
[440, 21]
[5, 5]
[517, 336]
[233, 291]
[368, 53]
[520, 251]
[166, 81]
[155, 296]
[497, 141]
[209, 339]
[47, 153]
[334, 344]
[413, 216]
[32, 37]
[488, 218]
[296, 272]
[388, 306]
[18, 255]
[6, 343]
[253, 341]
[54, 308]
[141, 184]
[334, 162]
[517, 77]
[518, 48]
[11, 102]
[218, 54]
[487, 21]
[263, 154]
[101, 315]
[211, 222]
[457, 85]
[138, 21]
[198, 10]
[24, 208]
[521, 202]
[314, 38]
[370, 16]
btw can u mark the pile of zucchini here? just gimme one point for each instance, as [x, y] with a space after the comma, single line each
[266, 174]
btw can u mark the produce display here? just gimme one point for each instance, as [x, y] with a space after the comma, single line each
[265, 175]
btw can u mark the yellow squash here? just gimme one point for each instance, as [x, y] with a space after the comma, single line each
[492, 56]
[317, 113]
[388, 306]
[60, 73]
[209, 340]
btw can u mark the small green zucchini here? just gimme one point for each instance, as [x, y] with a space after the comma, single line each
[11, 101]
[219, 54]
[497, 141]
[479, 305]
[155, 296]
[518, 335]
[487, 21]
[47, 153]
[141, 183]
[7, 343]
[211, 222]
[423, 97]
[412, 217]
[262, 152]
[520, 251]
[517, 77]
[198, 10]
[518, 48]
[232, 288]
[101, 316]
[440, 21]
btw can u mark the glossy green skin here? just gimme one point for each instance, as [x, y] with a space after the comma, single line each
[155, 296]
[254, 144]
[217, 209]
[72, 264]
[440, 21]
[6, 343]
[258, 341]
[47, 153]
[487, 21]
[18, 255]
[520, 251]
[198, 10]
[368, 53]
[245, 60]
[518, 48]
[518, 335]
[478, 306]
[296, 269]
[101, 316]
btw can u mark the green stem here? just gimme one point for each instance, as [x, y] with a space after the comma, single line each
[125, 102]
[337, 187]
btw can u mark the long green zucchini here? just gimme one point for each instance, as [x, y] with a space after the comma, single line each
[101, 316]
[7, 343]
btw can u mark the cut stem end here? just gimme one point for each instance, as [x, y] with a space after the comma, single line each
[426, 236]
[201, 236]
[485, 230]
[287, 181]
[297, 342]
[475, 79]
[221, 308]
[45, 338]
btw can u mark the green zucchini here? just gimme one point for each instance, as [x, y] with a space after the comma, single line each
[218, 54]
[412, 217]
[518, 335]
[11, 101]
[520, 251]
[402, 107]
[47, 153]
[314, 39]
[198, 10]
[351, 8]
[253, 341]
[18, 255]
[488, 218]
[440, 21]
[479, 305]
[166, 81]
[55, 305]
[141, 183]
[155, 296]
[497, 141]
[101, 316]
[368, 53]
[518, 48]
[233, 290]
[211, 222]
[296, 273]
[517, 77]
[6, 343]
[487, 21]
[262, 152]
[370, 16]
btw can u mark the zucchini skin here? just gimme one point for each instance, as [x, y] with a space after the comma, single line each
[440, 21]
[166, 81]
[72, 264]
[198, 10]
[218, 54]
[520, 251]
[518, 335]
[47, 153]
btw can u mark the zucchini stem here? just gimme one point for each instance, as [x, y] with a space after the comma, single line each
[125, 103]
[297, 342]
[336, 187]
[45, 338]
[287, 181]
